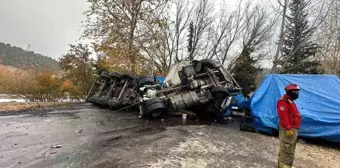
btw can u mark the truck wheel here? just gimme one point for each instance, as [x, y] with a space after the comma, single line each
[195, 62]
[153, 101]
[105, 75]
[203, 64]
[131, 80]
[115, 75]
[114, 105]
[102, 102]
[154, 108]
[128, 76]
[145, 81]
[220, 92]
[92, 100]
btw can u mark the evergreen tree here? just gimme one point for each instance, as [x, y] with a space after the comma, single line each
[299, 51]
[245, 71]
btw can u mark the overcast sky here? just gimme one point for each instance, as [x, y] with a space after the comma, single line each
[47, 25]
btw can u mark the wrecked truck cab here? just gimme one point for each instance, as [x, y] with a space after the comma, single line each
[202, 87]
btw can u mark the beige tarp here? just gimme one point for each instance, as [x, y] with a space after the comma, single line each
[173, 77]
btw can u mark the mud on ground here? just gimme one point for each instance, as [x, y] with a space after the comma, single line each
[99, 138]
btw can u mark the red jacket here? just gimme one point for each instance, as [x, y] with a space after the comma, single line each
[288, 113]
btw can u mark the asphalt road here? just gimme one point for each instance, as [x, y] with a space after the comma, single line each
[86, 136]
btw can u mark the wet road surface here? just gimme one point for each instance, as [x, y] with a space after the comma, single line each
[92, 137]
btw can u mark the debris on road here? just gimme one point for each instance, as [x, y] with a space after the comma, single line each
[70, 165]
[57, 146]
[79, 131]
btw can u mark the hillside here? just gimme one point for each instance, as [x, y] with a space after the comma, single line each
[19, 58]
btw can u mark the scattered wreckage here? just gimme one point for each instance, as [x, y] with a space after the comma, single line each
[202, 87]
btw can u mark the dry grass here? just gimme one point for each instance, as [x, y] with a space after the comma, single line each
[10, 68]
[18, 106]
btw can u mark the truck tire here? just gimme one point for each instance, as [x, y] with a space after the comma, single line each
[115, 75]
[145, 81]
[220, 92]
[102, 102]
[105, 75]
[114, 105]
[153, 101]
[154, 108]
[128, 76]
[92, 100]
[203, 64]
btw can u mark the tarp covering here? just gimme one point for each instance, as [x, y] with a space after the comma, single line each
[159, 79]
[173, 77]
[318, 103]
[240, 101]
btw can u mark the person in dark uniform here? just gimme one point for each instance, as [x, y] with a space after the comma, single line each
[289, 124]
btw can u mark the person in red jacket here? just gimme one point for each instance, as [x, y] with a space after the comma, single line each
[289, 124]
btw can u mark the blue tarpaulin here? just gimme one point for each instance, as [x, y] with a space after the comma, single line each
[159, 79]
[318, 103]
[241, 101]
[238, 101]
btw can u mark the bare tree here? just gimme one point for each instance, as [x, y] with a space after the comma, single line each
[328, 37]
[284, 6]
[225, 31]
[257, 31]
[181, 23]
[203, 17]
[220, 30]
[237, 26]
[120, 24]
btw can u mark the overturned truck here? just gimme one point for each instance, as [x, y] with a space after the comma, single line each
[202, 87]
[116, 90]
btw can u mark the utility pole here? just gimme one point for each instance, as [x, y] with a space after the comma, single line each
[153, 64]
[29, 47]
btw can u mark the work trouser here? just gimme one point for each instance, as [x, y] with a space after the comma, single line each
[287, 147]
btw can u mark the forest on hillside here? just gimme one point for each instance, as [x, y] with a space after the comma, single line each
[23, 59]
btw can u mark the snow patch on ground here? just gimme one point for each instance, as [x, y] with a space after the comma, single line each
[12, 100]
